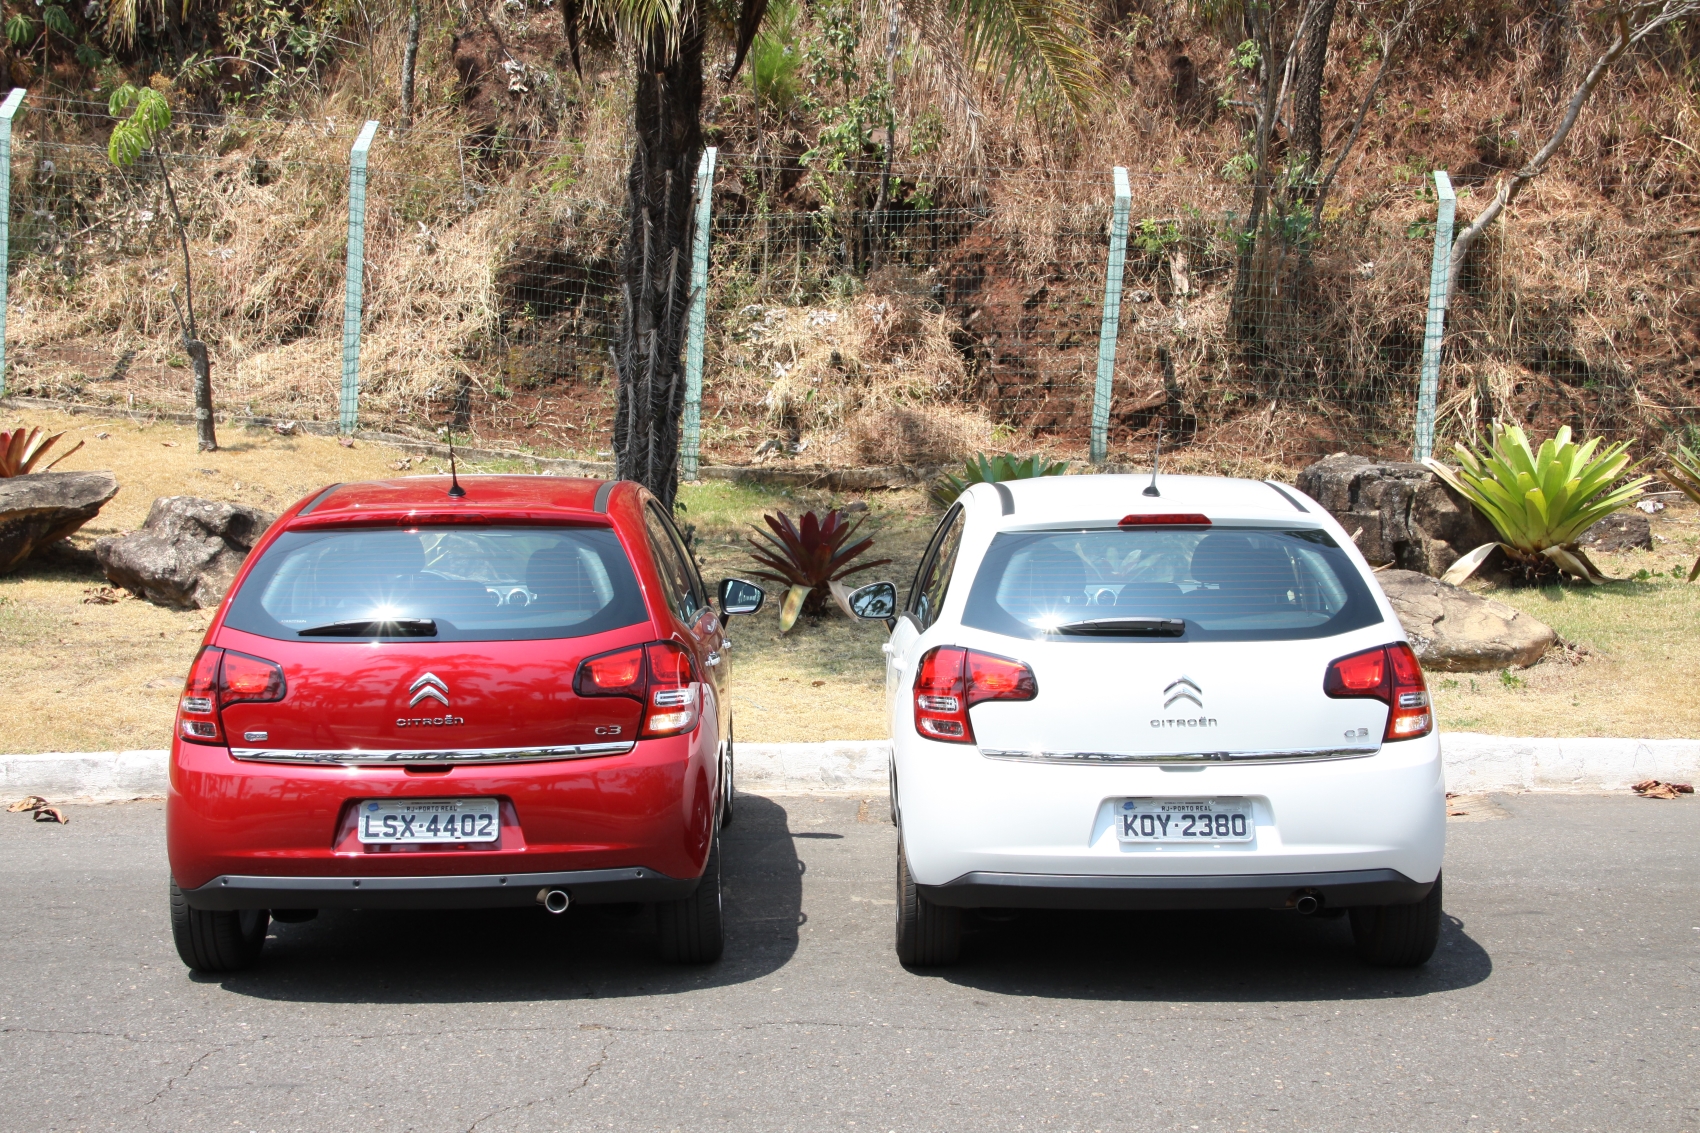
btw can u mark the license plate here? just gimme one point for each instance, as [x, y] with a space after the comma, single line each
[384, 821]
[1184, 820]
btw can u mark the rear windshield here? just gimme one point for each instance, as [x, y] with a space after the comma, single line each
[1222, 584]
[444, 584]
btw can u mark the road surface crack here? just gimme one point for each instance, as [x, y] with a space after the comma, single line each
[583, 1082]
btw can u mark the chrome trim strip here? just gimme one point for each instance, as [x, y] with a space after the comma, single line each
[377, 757]
[1120, 757]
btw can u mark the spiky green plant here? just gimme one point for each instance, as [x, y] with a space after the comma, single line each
[1683, 470]
[1539, 501]
[810, 555]
[983, 469]
[21, 448]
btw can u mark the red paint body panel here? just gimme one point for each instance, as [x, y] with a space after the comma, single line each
[655, 806]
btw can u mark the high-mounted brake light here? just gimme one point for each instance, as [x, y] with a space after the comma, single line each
[1390, 674]
[219, 679]
[1166, 519]
[951, 680]
[660, 676]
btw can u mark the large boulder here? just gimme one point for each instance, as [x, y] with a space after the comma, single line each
[187, 553]
[1455, 631]
[44, 507]
[1407, 514]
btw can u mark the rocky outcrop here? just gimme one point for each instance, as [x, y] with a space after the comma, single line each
[43, 507]
[1405, 515]
[187, 553]
[1626, 530]
[1455, 631]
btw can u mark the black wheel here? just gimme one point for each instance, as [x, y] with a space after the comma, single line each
[1398, 936]
[689, 930]
[210, 941]
[729, 788]
[928, 935]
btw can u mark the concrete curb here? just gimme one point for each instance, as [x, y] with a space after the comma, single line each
[1474, 763]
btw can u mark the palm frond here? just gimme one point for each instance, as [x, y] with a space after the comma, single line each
[1036, 49]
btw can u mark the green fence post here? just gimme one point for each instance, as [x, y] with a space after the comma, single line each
[1112, 319]
[698, 320]
[8, 111]
[1434, 333]
[356, 277]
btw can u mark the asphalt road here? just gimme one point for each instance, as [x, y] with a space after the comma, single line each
[1563, 997]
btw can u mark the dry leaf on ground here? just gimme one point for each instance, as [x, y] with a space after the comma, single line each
[169, 444]
[99, 596]
[345, 442]
[30, 802]
[51, 814]
[1657, 789]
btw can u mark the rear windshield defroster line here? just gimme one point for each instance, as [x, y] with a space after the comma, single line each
[1221, 583]
[466, 583]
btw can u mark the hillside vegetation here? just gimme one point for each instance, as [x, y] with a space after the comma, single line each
[905, 267]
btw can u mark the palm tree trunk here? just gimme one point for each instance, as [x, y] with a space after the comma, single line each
[667, 117]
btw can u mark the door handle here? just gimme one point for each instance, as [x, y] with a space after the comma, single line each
[713, 658]
[885, 647]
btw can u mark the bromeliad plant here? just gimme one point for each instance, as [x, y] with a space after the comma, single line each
[21, 448]
[1684, 471]
[983, 469]
[1539, 501]
[811, 555]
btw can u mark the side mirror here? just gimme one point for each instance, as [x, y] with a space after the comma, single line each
[739, 597]
[875, 602]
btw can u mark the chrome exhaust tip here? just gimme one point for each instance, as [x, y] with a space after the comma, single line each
[1306, 904]
[555, 900]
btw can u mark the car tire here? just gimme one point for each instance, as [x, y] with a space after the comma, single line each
[212, 941]
[1398, 936]
[928, 935]
[689, 931]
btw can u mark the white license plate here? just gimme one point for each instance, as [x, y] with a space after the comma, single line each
[1189, 821]
[384, 821]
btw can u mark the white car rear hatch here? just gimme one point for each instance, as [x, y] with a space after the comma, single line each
[1195, 625]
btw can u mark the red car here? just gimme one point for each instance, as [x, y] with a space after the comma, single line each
[418, 695]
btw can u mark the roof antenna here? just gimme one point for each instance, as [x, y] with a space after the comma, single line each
[455, 490]
[1151, 488]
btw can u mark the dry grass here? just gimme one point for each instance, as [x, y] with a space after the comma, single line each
[81, 676]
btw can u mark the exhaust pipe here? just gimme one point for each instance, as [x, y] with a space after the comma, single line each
[555, 900]
[1306, 904]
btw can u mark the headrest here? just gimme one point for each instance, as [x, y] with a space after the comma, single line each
[1235, 557]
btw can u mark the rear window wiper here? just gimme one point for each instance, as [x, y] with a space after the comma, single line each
[1124, 627]
[375, 627]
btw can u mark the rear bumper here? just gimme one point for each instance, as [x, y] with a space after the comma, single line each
[474, 891]
[982, 890]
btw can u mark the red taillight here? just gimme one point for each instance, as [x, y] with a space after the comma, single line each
[1390, 674]
[245, 678]
[219, 679]
[1165, 519]
[660, 676]
[951, 680]
[197, 712]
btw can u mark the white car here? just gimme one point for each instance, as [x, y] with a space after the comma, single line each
[1105, 698]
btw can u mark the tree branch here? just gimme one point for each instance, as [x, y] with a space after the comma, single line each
[1628, 34]
[1388, 42]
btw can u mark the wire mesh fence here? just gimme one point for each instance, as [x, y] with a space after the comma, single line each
[855, 317]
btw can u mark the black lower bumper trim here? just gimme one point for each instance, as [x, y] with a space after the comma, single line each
[475, 891]
[1230, 891]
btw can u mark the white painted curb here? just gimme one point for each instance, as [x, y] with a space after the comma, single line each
[1473, 763]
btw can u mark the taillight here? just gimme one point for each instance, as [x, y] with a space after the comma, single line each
[244, 678]
[951, 680]
[660, 676]
[1390, 674]
[218, 679]
[197, 712]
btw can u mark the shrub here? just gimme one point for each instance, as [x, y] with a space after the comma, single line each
[983, 469]
[1539, 502]
[810, 555]
[21, 448]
